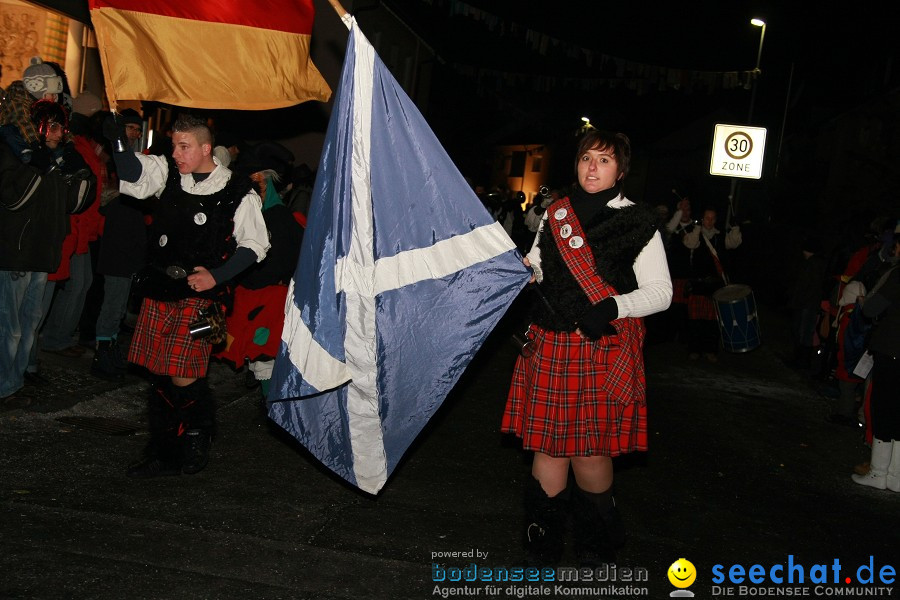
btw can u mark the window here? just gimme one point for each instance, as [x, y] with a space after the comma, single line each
[517, 166]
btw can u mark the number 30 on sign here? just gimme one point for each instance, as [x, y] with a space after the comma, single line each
[738, 151]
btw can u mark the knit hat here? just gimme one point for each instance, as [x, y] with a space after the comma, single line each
[40, 79]
[223, 155]
[131, 116]
[275, 156]
[86, 104]
[267, 155]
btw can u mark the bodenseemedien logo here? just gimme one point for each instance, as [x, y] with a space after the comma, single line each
[682, 574]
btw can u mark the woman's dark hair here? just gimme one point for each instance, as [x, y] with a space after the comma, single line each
[603, 140]
[44, 112]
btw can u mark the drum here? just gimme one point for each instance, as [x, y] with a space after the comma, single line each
[738, 321]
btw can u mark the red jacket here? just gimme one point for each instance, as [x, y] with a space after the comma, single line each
[85, 227]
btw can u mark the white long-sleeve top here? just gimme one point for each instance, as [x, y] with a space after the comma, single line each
[249, 227]
[675, 222]
[733, 238]
[654, 290]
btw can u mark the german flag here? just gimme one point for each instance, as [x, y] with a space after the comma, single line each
[226, 54]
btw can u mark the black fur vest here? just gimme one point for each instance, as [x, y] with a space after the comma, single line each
[189, 229]
[616, 236]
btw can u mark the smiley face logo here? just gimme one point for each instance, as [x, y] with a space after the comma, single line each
[682, 573]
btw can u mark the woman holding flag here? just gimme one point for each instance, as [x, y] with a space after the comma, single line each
[578, 398]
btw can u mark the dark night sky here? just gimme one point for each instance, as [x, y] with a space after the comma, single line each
[703, 35]
[815, 65]
[833, 55]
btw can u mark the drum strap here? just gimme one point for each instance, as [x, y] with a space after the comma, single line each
[719, 268]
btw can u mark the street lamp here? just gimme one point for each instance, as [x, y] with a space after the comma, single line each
[756, 71]
[734, 195]
[586, 126]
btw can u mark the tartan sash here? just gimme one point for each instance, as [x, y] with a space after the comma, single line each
[570, 239]
[619, 355]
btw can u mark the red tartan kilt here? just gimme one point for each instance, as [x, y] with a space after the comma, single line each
[162, 340]
[702, 308]
[679, 291]
[580, 398]
[254, 325]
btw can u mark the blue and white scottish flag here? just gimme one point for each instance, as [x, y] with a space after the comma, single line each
[402, 275]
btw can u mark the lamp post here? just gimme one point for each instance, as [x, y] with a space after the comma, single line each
[734, 195]
[756, 71]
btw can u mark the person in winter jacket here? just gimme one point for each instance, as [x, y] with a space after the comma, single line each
[36, 198]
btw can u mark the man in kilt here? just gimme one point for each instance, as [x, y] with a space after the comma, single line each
[578, 398]
[207, 228]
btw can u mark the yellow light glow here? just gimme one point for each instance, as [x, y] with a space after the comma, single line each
[758, 22]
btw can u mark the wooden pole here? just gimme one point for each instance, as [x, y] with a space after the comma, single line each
[340, 10]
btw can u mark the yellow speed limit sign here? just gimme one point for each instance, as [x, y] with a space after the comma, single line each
[737, 151]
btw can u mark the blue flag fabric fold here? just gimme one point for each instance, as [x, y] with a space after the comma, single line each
[402, 275]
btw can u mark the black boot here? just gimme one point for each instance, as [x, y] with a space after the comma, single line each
[197, 413]
[104, 364]
[120, 360]
[599, 530]
[196, 450]
[163, 455]
[545, 525]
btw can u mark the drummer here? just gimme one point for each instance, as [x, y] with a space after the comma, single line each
[707, 246]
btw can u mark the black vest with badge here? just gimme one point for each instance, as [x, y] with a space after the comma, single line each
[190, 230]
[616, 236]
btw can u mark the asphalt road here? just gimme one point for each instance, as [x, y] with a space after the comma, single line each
[742, 470]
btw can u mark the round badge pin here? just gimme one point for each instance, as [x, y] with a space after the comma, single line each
[200, 218]
[163, 240]
[560, 214]
[565, 231]
[576, 242]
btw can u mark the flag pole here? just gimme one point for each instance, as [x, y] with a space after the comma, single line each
[340, 10]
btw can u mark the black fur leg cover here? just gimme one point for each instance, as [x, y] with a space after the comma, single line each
[195, 407]
[599, 530]
[163, 422]
[545, 525]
